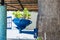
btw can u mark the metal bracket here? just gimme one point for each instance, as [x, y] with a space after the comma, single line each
[21, 4]
[35, 32]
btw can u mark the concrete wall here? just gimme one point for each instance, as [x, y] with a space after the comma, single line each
[48, 19]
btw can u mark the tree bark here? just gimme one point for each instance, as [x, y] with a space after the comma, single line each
[49, 19]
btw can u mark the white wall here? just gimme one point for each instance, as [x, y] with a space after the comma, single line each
[14, 33]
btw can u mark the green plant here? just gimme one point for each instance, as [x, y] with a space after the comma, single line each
[25, 14]
[17, 14]
[39, 38]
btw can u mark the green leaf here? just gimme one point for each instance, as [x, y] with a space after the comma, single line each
[25, 14]
[17, 14]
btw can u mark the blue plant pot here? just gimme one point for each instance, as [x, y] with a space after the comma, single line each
[21, 23]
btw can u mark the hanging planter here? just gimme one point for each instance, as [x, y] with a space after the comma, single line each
[21, 23]
[22, 19]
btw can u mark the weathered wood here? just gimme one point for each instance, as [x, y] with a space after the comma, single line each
[32, 7]
[21, 1]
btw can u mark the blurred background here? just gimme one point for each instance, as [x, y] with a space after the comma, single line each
[14, 5]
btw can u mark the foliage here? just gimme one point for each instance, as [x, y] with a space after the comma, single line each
[25, 14]
[17, 14]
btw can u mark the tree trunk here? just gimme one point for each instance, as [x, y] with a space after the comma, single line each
[49, 19]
